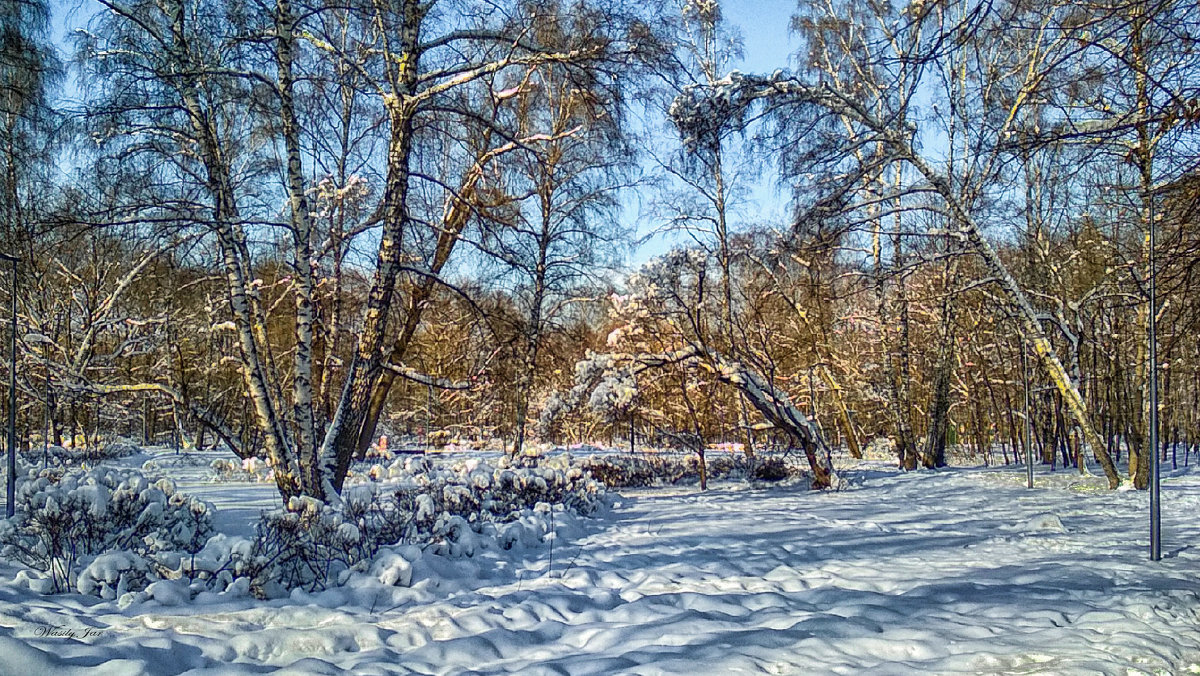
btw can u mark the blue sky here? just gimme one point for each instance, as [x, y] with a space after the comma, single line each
[764, 26]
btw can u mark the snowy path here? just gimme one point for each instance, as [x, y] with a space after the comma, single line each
[948, 572]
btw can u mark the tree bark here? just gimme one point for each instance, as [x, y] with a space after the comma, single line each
[341, 439]
[453, 221]
[302, 381]
[236, 260]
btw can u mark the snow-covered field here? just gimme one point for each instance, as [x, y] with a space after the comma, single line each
[956, 571]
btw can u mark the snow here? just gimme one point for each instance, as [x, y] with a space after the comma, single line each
[950, 571]
[1043, 522]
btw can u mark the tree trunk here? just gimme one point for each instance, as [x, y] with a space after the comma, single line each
[251, 327]
[843, 413]
[777, 408]
[1139, 468]
[341, 439]
[934, 454]
[533, 333]
[893, 386]
[302, 381]
[453, 221]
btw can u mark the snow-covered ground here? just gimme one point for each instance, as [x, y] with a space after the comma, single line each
[956, 571]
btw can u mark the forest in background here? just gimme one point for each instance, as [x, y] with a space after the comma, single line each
[289, 227]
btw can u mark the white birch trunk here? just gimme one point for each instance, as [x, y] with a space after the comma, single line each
[339, 445]
[236, 262]
[302, 388]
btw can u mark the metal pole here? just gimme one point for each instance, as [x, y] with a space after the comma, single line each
[11, 492]
[1155, 516]
[46, 417]
[1028, 422]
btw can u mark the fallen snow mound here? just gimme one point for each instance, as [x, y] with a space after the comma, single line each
[1042, 523]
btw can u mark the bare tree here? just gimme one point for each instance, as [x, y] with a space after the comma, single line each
[881, 117]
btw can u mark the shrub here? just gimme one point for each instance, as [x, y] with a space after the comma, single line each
[58, 455]
[632, 471]
[106, 532]
[312, 545]
[627, 471]
[774, 469]
[99, 521]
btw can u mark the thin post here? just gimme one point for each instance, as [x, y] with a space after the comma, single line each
[1028, 422]
[11, 492]
[1155, 515]
[46, 416]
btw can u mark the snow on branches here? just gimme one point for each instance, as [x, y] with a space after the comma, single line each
[702, 111]
[663, 307]
[102, 531]
[611, 380]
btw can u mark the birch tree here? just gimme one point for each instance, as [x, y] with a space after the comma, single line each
[432, 73]
[219, 113]
[669, 304]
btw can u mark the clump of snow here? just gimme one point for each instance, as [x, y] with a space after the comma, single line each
[101, 530]
[394, 568]
[114, 574]
[1044, 523]
[169, 592]
[226, 565]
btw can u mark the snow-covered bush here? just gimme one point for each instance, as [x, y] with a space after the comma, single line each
[761, 468]
[454, 508]
[165, 464]
[774, 469]
[115, 573]
[119, 536]
[495, 493]
[225, 565]
[310, 544]
[117, 448]
[629, 471]
[59, 455]
[101, 530]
